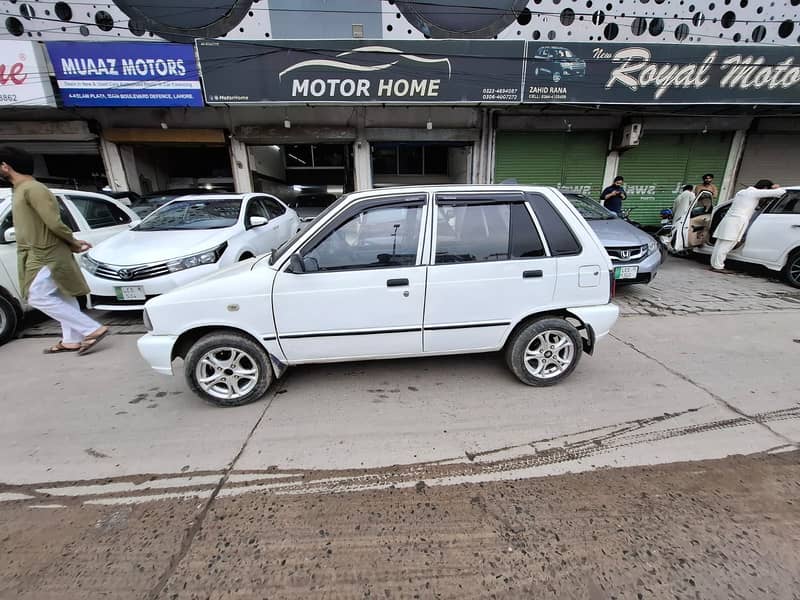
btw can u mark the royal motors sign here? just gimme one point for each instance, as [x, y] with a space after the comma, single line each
[126, 73]
[362, 72]
[662, 74]
[23, 75]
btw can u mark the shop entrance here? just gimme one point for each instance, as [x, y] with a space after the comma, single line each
[308, 177]
[415, 163]
[70, 165]
[163, 167]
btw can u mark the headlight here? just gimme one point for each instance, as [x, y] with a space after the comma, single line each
[195, 260]
[148, 324]
[652, 246]
[88, 263]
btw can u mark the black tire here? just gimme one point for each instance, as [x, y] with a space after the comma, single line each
[9, 320]
[556, 76]
[527, 336]
[245, 256]
[223, 344]
[791, 272]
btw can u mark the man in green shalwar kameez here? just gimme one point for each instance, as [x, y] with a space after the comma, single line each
[50, 279]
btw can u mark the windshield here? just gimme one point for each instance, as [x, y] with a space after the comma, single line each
[193, 214]
[589, 209]
[281, 250]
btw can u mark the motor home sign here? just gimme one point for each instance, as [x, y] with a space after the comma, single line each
[362, 72]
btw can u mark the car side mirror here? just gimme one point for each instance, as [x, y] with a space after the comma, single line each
[256, 221]
[10, 236]
[296, 264]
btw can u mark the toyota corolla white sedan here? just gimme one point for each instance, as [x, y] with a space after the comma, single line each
[185, 240]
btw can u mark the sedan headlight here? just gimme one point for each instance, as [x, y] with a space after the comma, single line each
[196, 260]
[88, 263]
[652, 246]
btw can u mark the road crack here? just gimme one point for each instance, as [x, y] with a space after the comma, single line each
[716, 397]
[197, 523]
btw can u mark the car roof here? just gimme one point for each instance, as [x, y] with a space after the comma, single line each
[6, 192]
[450, 188]
[211, 197]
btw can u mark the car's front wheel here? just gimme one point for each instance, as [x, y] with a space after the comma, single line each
[228, 369]
[8, 320]
[545, 351]
[792, 269]
[556, 76]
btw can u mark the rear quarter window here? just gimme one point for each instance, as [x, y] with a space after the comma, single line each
[560, 238]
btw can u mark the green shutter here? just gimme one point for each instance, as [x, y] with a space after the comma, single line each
[566, 160]
[655, 170]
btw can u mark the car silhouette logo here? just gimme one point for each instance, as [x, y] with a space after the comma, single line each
[125, 274]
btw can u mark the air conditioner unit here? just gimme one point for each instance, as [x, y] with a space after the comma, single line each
[630, 135]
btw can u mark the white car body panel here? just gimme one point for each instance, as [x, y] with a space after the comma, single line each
[9, 279]
[328, 316]
[136, 248]
[769, 240]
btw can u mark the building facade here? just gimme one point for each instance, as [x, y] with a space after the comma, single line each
[326, 96]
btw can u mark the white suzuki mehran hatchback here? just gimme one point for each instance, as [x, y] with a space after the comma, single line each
[399, 272]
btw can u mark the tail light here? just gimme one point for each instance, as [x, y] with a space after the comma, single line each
[612, 291]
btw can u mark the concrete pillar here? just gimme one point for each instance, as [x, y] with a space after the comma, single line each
[362, 154]
[612, 165]
[240, 166]
[727, 189]
[115, 169]
[128, 160]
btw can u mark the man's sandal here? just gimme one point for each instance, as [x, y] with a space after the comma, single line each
[90, 342]
[59, 348]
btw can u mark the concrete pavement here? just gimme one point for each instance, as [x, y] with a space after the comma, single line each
[659, 390]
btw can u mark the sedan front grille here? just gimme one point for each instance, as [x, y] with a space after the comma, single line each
[132, 273]
[627, 253]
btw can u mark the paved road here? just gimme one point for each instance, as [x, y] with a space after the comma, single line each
[418, 477]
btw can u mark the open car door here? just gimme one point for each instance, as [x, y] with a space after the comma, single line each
[694, 228]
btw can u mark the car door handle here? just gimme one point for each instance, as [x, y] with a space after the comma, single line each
[531, 274]
[396, 282]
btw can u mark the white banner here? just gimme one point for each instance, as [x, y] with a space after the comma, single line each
[24, 80]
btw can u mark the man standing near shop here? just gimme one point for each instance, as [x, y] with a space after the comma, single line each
[734, 225]
[707, 186]
[613, 196]
[50, 279]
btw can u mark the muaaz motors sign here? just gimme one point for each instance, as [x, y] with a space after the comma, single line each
[23, 75]
[362, 72]
[126, 73]
[662, 74]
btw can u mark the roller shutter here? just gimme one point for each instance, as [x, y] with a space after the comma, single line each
[55, 147]
[769, 156]
[655, 170]
[574, 161]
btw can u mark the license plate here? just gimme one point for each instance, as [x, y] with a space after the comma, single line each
[130, 292]
[626, 272]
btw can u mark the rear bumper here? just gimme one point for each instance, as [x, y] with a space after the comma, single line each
[600, 319]
[157, 351]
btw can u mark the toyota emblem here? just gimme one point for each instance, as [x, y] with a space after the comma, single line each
[125, 274]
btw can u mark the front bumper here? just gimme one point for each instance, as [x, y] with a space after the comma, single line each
[157, 351]
[648, 268]
[103, 294]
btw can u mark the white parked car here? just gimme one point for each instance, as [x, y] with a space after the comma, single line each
[93, 217]
[397, 272]
[184, 240]
[772, 240]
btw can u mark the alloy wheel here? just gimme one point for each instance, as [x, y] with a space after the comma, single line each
[794, 271]
[227, 373]
[549, 354]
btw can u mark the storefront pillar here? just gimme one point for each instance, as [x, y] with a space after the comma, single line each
[240, 166]
[115, 169]
[612, 166]
[728, 187]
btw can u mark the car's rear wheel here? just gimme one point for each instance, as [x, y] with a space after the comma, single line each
[544, 351]
[792, 269]
[556, 76]
[228, 369]
[8, 320]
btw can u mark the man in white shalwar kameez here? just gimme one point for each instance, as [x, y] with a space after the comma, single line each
[734, 225]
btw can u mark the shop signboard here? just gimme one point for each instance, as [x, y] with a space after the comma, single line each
[600, 73]
[126, 73]
[23, 75]
[362, 71]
